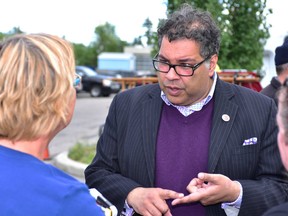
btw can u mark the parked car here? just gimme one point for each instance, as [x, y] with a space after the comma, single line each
[96, 84]
[117, 73]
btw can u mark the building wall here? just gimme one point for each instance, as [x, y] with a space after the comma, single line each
[143, 57]
[117, 61]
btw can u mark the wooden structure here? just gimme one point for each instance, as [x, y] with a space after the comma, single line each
[247, 79]
[131, 82]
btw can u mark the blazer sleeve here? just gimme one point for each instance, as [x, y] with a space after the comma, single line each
[120, 163]
[269, 186]
[256, 165]
[280, 210]
[104, 171]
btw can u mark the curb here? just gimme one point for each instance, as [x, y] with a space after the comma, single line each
[63, 162]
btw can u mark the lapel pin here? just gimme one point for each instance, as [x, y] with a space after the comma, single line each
[225, 117]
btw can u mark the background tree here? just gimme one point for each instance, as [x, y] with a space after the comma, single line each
[150, 37]
[137, 41]
[106, 40]
[14, 30]
[2, 36]
[149, 33]
[246, 32]
[85, 55]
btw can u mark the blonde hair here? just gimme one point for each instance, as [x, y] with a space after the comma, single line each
[36, 85]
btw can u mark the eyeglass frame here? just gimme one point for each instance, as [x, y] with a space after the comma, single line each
[77, 80]
[193, 67]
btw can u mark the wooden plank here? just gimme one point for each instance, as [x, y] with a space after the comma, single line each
[131, 82]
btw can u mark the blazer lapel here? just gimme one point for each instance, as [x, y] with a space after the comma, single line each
[223, 119]
[151, 112]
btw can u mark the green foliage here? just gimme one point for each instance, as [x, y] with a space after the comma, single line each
[152, 39]
[2, 36]
[82, 152]
[155, 47]
[173, 5]
[85, 55]
[15, 30]
[106, 40]
[149, 33]
[244, 34]
[137, 41]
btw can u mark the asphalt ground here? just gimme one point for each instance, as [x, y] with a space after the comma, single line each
[90, 113]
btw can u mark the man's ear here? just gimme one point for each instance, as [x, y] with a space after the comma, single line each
[213, 63]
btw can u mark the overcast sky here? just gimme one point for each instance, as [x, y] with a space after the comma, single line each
[279, 29]
[77, 19]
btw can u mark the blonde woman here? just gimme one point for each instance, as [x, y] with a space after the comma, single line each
[37, 98]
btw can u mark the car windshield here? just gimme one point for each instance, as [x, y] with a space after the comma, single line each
[87, 71]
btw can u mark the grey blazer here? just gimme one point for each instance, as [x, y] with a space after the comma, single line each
[125, 156]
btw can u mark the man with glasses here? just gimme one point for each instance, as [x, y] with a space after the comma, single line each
[191, 144]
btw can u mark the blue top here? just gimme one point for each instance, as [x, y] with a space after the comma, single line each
[31, 187]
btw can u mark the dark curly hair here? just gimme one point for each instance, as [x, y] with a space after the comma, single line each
[192, 24]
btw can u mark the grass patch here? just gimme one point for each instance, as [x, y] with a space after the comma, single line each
[82, 152]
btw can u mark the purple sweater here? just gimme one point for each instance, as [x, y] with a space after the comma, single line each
[182, 152]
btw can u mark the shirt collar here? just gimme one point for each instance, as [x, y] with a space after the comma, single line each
[187, 110]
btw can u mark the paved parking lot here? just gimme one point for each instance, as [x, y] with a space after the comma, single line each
[89, 114]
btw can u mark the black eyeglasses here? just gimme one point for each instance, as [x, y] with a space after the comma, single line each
[77, 80]
[180, 69]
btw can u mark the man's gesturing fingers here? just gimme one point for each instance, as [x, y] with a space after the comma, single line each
[210, 189]
[169, 194]
[151, 201]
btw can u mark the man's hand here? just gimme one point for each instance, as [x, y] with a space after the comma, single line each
[210, 189]
[151, 201]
